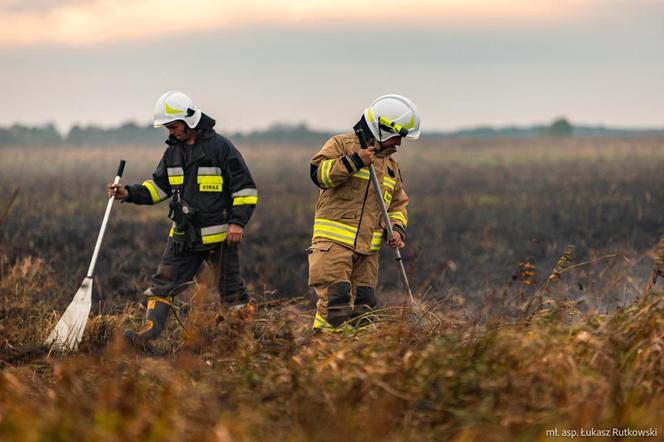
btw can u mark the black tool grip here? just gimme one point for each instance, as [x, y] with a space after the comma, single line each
[121, 168]
[360, 136]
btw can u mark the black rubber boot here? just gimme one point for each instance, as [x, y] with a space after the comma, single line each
[155, 320]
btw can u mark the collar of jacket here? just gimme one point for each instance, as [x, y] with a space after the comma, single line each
[205, 128]
[196, 151]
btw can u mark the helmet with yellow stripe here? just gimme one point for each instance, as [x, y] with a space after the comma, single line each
[393, 115]
[174, 106]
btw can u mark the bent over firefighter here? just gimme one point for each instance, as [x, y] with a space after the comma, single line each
[348, 225]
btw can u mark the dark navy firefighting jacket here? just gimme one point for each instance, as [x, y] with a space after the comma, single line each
[211, 177]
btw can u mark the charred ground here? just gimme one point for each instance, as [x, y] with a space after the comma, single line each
[499, 349]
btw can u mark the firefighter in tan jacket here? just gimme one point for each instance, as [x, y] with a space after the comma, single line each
[348, 226]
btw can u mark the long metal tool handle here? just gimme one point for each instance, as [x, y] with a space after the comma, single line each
[386, 216]
[100, 238]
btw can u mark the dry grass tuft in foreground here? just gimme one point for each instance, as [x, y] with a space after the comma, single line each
[261, 375]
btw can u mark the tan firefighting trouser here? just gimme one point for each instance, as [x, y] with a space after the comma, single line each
[344, 280]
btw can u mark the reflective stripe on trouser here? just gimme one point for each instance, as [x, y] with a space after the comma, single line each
[175, 272]
[331, 263]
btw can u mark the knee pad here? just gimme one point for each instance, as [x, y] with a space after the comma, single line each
[365, 296]
[339, 294]
[338, 303]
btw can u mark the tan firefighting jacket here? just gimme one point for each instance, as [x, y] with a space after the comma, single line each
[347, 211]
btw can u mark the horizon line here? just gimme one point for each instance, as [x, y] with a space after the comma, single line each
[314, 129]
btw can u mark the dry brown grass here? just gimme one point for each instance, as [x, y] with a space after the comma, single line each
[520, 334]
[265, 377]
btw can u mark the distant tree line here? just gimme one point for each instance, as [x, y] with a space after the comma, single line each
[132, 133]
[20, 135]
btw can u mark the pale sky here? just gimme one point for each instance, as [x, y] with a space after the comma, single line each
[255, 62]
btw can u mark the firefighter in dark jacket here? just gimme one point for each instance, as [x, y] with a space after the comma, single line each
[212, 198]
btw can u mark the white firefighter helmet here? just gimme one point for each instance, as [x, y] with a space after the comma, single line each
[393, 115]
[173, 106]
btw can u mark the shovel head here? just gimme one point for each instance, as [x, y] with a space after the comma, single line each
[68, 332]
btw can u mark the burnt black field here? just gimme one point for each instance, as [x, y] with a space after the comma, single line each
[530, 260]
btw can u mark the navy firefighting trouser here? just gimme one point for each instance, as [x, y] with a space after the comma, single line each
[175, 272]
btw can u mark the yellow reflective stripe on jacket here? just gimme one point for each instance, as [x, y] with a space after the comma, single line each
[389, 182]
[175, 176]
[376, 240]
[155, 191]
[210, 175]
[213, 234]
[326, 228]
[244, 200]
[398, 217]
[244, 197]
[325, 171]
[362, 174]
[210, 179]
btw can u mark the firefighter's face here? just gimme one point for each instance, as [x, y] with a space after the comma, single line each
[178, 130]
[391, 143]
